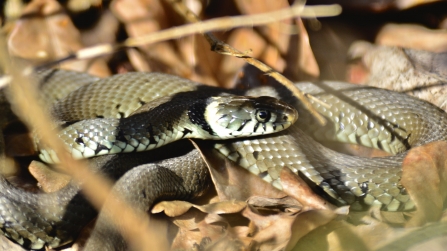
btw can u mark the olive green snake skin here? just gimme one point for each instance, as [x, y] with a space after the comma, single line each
[368, 116]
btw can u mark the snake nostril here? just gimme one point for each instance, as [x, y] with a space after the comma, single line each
[285, 117]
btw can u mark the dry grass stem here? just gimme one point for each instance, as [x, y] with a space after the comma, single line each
[212, 25]
[315, 99]
[24, 99]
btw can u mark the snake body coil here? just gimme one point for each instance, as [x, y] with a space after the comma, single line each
[368, 116]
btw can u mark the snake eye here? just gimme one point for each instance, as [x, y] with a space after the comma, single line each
[262, 115]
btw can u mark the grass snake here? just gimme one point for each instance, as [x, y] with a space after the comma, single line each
[372, 117]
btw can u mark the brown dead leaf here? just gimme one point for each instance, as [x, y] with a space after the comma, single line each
[176, 208]
[223, 207]
[247, 40]
[273, 231]
[233, 182]
[195, 226]
[424, 175]
[275, 39]
[301, 62]
[419, 73]
[298, 188]
[172, 208]
[272, 215]
[49, 180]
[189, 221]
[53, 36]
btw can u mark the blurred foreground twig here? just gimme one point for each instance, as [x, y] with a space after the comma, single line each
[24, 100]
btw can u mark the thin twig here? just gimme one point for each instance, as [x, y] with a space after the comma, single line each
[316, 100]
[215, 24]
[226, 49]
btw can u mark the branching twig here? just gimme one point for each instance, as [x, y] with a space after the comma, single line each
[226, 49]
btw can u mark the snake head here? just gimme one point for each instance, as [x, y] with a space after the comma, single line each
[241, 116]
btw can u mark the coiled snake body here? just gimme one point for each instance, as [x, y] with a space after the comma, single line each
[367, 116]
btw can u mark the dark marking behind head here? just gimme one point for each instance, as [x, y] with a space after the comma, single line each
[196, 114]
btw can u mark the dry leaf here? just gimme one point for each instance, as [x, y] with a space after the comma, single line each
[419, 73]
[297, 187]
[301, 62]
[49, 180]
[172, 208]
[53, 36]
[424, 175]
[233, 182]
[430, 237]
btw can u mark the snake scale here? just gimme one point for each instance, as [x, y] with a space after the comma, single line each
[372, 117]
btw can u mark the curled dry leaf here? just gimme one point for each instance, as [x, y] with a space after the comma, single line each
[233, 182]
[272, 215]
[419, 73]
[172, 208]
[273, 231]
[424, 175]
[195, 226]
[223, 207]
[297, 188]
[177, 208]
[53, 36]
[49, 180]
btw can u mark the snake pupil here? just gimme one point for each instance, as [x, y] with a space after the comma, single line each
[262, 115]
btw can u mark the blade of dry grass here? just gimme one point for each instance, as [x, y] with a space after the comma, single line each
[215, 24]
